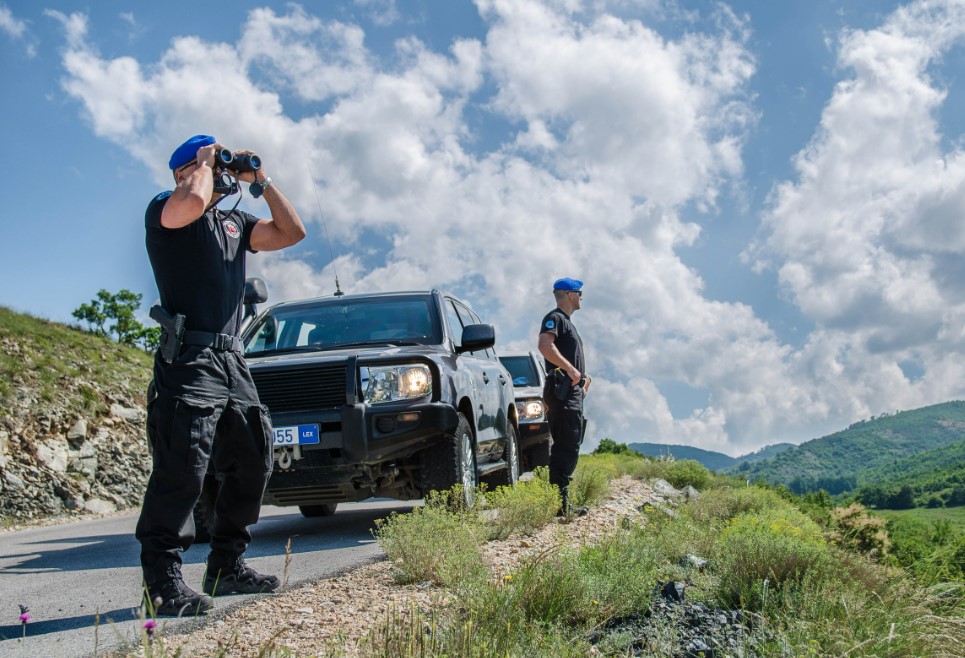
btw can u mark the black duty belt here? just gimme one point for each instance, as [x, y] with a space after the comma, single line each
[220, 342]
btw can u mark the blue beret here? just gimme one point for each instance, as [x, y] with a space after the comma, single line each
[189, 150]
[567, 283]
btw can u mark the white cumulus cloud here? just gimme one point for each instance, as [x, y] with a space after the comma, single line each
[607, 130]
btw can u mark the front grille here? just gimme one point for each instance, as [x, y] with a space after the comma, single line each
[301, 389]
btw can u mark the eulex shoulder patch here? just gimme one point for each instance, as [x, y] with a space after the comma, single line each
[550, 324]
[231, 229]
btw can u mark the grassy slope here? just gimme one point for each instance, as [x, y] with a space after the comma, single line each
[45, 363]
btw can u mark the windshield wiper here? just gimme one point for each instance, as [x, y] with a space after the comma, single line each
[286, 350]
[359, 343]
[333, 346]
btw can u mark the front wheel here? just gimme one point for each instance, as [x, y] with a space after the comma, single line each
[509, 476]
[452, 462]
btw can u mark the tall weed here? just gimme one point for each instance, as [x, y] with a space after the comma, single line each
[434, 543]
[687, 472]
[547, 590]
[484, 629]
[621, 572]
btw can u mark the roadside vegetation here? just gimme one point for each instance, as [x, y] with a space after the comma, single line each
[800, 576]
[809, 579]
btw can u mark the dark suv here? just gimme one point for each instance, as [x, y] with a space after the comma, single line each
[381, 395]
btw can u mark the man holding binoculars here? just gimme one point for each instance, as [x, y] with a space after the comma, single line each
[203, 405]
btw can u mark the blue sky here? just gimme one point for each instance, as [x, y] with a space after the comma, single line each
[763, 198]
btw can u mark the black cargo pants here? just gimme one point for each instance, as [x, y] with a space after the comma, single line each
[206, 409]
[565, 419]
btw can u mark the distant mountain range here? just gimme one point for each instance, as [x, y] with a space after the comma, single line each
[922, 451]
[714, 461]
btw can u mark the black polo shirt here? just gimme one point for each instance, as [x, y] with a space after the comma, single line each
[567, 339]
[200, 268]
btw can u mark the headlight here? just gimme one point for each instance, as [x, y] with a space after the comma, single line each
[390, 383]
[529, 409]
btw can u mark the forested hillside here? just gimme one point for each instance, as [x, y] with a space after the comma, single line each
[714, 461]
[931, 479]
[867, 451]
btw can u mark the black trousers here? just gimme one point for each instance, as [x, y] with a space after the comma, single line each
[206, 410]
[565, 418]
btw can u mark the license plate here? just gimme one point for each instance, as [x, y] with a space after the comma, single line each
[296, 435]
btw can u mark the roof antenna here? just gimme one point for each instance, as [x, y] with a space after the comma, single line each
[321, 215]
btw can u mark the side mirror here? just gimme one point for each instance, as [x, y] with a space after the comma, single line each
[477, 337]
[255, 291]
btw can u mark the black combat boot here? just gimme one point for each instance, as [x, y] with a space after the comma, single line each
[167, 595]
[233, 576]
[567, 510]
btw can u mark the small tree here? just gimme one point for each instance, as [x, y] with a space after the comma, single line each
[118, 309]
[93, 314]
[903, 499]
[609, 446]
[150, 338]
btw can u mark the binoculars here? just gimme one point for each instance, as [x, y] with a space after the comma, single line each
[225, 159]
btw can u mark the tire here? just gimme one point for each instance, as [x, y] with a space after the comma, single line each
[510, 475]
[452, 462]
[315, 511]
[204, 509]
[538, 455]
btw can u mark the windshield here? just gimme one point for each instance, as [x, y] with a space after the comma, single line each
[521, 369]
[330, 324]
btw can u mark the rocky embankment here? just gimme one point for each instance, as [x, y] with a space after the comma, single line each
[54, 465]
[71, 424]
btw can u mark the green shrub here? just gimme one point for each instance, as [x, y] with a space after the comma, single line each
[524, 508]
[434, 542]
[590, 484]
[687, 471]
[726, 503]
[759, 553]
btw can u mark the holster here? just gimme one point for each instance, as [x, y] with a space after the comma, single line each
[172, 332]
[562, 384]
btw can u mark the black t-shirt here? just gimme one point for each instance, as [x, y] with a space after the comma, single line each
[200, 268]
[567, 339]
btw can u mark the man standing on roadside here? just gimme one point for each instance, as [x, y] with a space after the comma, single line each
[205, 406]
[566, 385]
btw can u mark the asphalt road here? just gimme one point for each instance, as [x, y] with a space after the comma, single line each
[81, 580]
